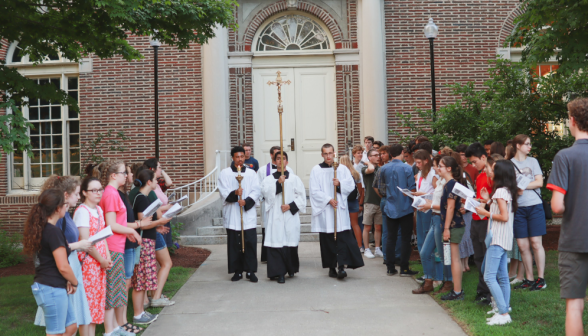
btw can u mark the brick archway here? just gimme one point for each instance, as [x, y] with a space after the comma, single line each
[306, 7]
[508, 25]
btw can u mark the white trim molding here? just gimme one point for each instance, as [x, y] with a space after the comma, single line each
[346, 56]
[240, 59]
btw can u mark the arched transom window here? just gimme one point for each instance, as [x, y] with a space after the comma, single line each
[292, 32]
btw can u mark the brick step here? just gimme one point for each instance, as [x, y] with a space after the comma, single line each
[219, 230]
[304, 219]
[222, 239]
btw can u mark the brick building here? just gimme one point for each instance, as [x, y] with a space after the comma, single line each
[354, 65]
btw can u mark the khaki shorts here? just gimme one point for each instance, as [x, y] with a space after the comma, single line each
[372, 214]
[573, 275]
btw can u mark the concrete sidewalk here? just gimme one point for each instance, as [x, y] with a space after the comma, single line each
[365, 303]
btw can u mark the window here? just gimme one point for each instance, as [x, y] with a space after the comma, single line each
[292, 32]
[55, 138]
[18, 57]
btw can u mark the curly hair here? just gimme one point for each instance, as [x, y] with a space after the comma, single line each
[579, 110]
[49, 202]
[66, 184]
[109, 168]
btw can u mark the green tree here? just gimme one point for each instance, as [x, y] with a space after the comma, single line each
[77, 28]
[515, 100]
[550, 28]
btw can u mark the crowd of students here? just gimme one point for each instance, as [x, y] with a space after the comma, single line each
[79, 284]
[508, 225]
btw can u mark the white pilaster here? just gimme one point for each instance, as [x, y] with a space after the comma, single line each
[215, 93]
[372, 70]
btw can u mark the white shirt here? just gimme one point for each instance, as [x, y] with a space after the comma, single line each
[321, 190]
[502, 232]
[82, 216]
[262, 174]
[425, 184]
[358, 169]
[283, 228]
[438, 193]
[231, 210]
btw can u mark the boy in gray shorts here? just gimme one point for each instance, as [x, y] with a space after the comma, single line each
[372, 214]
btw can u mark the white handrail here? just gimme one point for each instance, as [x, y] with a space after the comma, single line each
[201, 189]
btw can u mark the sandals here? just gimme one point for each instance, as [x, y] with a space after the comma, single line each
[132, 328]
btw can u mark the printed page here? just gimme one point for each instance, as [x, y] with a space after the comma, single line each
[101, 235]
[174, 210]
[462, 191]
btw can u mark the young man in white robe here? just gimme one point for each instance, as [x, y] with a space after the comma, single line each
[283, 220]
[336, 254]
[235, 199]
[263, 172]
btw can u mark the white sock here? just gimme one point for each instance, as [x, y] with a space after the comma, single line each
[377, 248]
[140, 315]
[107, 334]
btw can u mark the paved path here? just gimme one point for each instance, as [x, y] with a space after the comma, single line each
[365, 303]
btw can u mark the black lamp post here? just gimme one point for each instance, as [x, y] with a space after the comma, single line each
[156, 44]
[431, 32]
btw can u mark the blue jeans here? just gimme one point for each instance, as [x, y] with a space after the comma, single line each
[360, 222]
[385, 233]
[433, 269]
[438, 231]
[423, 223]
[57, 310]
[496, 277]
[129, 263]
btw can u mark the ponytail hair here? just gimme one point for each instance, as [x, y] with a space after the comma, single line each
[49, 202]
[456, 172]
[66, 184]
[109, 168]
[144, 177]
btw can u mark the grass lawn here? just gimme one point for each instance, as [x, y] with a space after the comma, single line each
[18, 306]
[533, 313]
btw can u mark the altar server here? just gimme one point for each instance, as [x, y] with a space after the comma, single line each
[342, 251]
[283, 220]
[236, 199]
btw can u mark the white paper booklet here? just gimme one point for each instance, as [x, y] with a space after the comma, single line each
[523, 182]
[152, 208]
[101, 235]
[462, 191]
[174, 210]
[419, 201]
[179, 200]
[471, 204]
[406, 192]
[428, 197]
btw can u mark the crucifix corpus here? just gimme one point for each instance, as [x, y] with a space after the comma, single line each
[279, 82]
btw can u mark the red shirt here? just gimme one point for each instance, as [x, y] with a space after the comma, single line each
[481, 182]
[473, 172]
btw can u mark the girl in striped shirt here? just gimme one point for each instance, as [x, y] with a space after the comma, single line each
[503, 205]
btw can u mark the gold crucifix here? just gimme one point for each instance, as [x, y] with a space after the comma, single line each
[279, 82]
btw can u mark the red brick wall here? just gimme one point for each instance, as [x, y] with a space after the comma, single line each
[347, 103]
[469, 33]
[241, 101]
[119, 95]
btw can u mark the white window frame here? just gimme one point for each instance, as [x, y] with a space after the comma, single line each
[63, 69]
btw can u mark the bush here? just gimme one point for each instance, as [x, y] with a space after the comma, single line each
[175, 229]
[10, 249]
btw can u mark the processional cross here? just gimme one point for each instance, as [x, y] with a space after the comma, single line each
[279, 82]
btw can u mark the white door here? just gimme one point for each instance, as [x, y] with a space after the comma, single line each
[309, 118]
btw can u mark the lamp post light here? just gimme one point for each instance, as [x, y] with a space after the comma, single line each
[156, 44]
[431, 32]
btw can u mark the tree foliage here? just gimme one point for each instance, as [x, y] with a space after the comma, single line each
[77, 28]
[550, 28]
[515, 100]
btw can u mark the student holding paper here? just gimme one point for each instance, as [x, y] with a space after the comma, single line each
[114, 175]
[425, 183]
[145, 275]
[89, 219]
[452, 221]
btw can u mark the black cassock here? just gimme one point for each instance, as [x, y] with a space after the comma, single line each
[282, 260]
[239, 262]
[342, 252]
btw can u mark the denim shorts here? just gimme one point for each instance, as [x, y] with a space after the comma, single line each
[529, 222]
[160, 242]
[353, 206]
[129, 263]
[58, 311]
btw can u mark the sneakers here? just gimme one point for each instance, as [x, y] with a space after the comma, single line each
[379, 253]
[162, 302]
[122, 332]
[408, 272]
[368, 254]
[526, 284]
[237, 277]
[538, 285]
[252, 277]
[145, 318]
[391, 271]
[452, 296]
[499, 319]
[516, 281]
[361, 249]
[483, 300]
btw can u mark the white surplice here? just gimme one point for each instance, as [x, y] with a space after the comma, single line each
[262, 173]
[231, 210]
[283, 228]
[321, 192]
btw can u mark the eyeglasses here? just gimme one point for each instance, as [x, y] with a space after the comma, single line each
[439, 167]
[527, 144]
[96, 191]
[124, 173]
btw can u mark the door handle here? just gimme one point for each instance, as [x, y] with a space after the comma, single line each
[292, 144]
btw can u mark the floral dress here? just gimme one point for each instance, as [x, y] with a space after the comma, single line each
[94, 275]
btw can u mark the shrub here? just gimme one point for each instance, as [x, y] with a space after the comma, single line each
[10, 249]
[175, 228]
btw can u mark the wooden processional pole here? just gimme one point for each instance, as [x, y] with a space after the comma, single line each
[279, 82]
